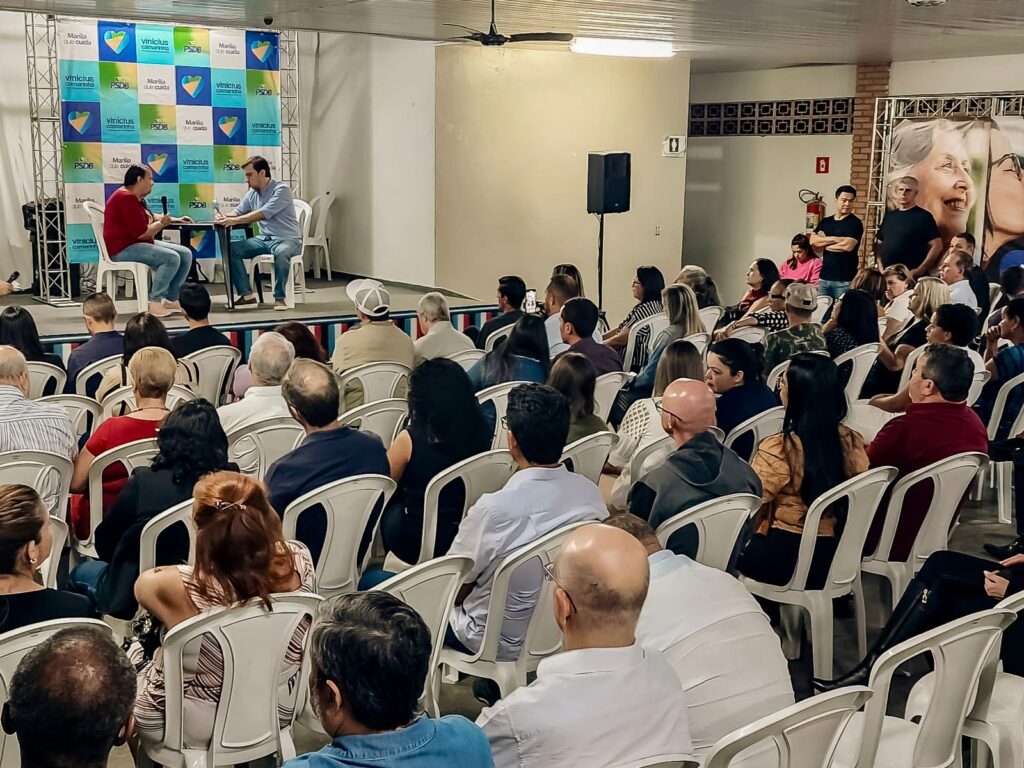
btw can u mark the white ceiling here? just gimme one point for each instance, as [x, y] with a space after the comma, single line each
[719, 35]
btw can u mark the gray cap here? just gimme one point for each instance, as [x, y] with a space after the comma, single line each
[802, 296]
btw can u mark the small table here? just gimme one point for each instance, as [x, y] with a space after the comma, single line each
[223, 232]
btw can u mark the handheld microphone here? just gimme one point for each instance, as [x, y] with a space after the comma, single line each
[14, 276]
[163, 202]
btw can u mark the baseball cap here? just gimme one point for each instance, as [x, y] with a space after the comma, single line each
[370, 297]
[802, 296]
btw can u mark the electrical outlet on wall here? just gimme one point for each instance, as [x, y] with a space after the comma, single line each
[657, 231]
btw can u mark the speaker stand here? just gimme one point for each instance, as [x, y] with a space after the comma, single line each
[600, 262]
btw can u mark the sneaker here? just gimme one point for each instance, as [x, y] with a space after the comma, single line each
[247, 303]
[1001, 552]
[486, 691]
[280, 306]
[173, 306]
[157, 309]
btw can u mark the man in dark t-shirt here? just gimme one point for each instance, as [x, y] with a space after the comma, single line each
[839, 238]
[908, 234]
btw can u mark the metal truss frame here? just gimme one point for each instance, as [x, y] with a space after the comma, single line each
[291, 161]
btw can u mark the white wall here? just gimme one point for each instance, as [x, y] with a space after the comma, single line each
[982, 74]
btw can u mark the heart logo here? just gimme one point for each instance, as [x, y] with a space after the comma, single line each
[260, 49]
[228, 124]
[115, 40]
[80, 120]
[196, 241]
[192, 84]
[157, 162]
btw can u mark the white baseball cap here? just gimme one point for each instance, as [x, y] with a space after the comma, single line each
[370, 297]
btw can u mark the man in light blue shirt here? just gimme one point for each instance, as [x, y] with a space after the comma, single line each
[270, 203]
[370, 653]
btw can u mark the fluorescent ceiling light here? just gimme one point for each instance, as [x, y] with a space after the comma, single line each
[648, 49]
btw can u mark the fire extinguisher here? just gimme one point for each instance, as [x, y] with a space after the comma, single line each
[814, 207]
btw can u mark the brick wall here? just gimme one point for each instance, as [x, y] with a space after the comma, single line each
[872, 83]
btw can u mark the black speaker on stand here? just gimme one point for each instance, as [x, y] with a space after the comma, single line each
[608, 177]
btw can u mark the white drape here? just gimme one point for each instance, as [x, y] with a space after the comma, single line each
[15, 148]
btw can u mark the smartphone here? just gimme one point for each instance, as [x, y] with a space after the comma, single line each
[531, 301]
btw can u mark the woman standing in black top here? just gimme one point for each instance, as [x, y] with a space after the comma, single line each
[25, 543]
[445, 426]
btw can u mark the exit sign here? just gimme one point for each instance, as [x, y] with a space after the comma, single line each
[821, 165]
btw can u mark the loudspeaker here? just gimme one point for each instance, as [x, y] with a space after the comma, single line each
[608, 182]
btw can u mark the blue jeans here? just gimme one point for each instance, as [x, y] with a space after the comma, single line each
[169, 263]
[282, 250]
[833, 288]
[85, 579]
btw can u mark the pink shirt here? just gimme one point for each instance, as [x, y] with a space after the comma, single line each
[808, 271]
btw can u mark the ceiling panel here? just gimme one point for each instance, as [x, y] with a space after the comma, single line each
[718, 35]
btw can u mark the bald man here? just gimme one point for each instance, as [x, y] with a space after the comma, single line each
[699, 469]
[605, 700]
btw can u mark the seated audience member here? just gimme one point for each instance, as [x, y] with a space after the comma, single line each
[573, 376]
[736, 374]
[572, 272]
[303, 342]
[540, 497]
[579, 318]
[641, 425]
[872, 282]
[129, 231]
[523, 356]
[1003, 365]
[771, 318]
[559, 290]
[99, 313]
[953, 273]
[966, 243]
[1011, 286]
[191, 444]
[854, 322]
[445, 427]
[240, 555]
[899, 290]
[761, 276]
[439, 338]
[605, 699]
[18, 330]
[680, 307]
[814, 453]
[152, 372]
[142, 330]
[703, 286]
[803, 263]
[937, 424]
[699, 469]
[70, 700]
[511, 294]
[802, 335]
[370, 657]
[735, 672]
[647, 287]
[28, 425]
[195, 304]
[930, 293]
[25, 543]
[376, 340]
[328, 453]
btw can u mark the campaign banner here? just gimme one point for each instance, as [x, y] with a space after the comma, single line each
[188, 102]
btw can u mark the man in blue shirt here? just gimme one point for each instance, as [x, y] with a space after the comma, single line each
[370, 654]
[99, 313]
[270, 203]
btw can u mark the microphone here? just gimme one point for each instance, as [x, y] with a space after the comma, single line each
[163, 202]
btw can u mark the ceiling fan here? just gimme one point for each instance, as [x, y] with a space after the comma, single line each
[492, 38]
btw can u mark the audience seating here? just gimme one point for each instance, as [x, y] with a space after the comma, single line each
[179, 513]
[497, 337]
[718, 433]
[663, 761]
[107, 268]
[641, 455]
[861, 359]
[59, 532]
[964, 668]
[321, 207]
[606, 389]
[380, 381]
[866, 419]
[656, 324]
[296, 267]
[824, 304]
[41, 374]
[272, 438]
[719, 523]
[215, 369]
[587, 456]
[701, 341]
[751, 334]
[1003, 470]
[83, 411]
[762, 425]
[710, 317]
[349, 505]
[864, 492]
[542, 637]
[384, 418]
[94, 371]
[14, 646]
[467, 358]
[122, 400]
[34, 469]
[776, 373]
[498, 394]
[246, 727]
[430, 589]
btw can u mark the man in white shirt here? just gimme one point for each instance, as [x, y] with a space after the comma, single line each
[439, 339]
[954, 274]
[540, 497]
[606, 700]
[717, 639]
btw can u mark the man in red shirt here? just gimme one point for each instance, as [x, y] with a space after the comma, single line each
[129, 230]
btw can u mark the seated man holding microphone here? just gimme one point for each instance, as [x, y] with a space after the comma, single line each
[270, 203]
[129, 231]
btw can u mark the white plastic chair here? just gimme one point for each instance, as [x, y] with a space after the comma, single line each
[498, 394]
[908, 367]
[15, 646]
[1003, 469]
[59, 532]
[41, 374]
[272, 439]
[495, 337]
[864, 493]
[321, 207]
[92, 370]
[542, 638]
[36, 469]
[246, 726]
[981, 378]
[587, 456]
[380, 381]
[867, 419]
[762, 425]
[122, 400]
[718, 432]
[606, 389]
[776, 373]
[655, 325]
[710, 317]
[83, 411]
[215, 367]
[179, 513]
[805, 734]
[296, 268]
[107, 268]
[962, 652]
[701, 341]
[674, 760]
[467, 358]
[348, 504]
[861, 358]
[642, 454]
[751, 334]
[430, 589]
[824, 302]
[950, 479]
[384, 418]
[719, 522]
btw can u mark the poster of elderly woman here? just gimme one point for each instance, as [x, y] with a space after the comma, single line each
[1003, 244]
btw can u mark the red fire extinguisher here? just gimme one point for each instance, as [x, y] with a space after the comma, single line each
[814, 207]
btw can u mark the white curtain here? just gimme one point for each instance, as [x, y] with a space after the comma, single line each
[15, 148]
